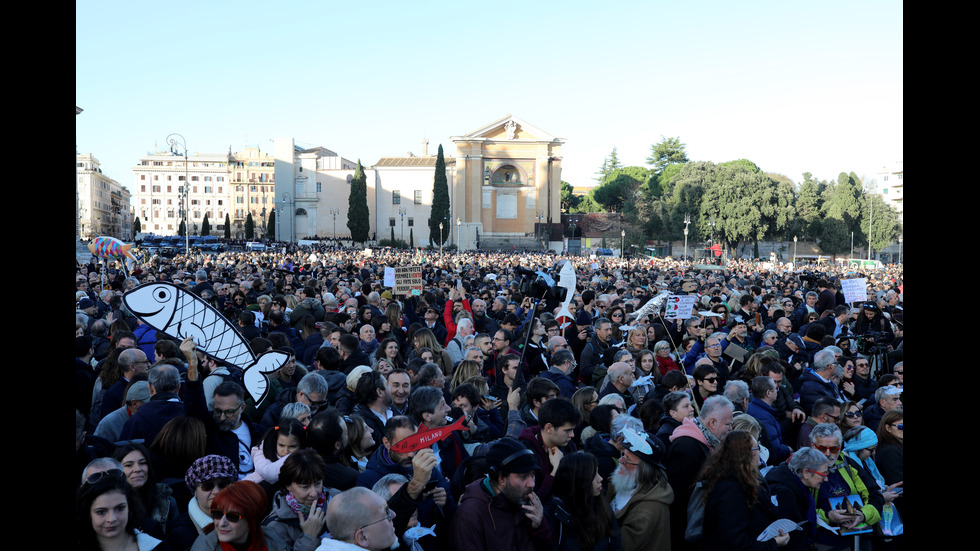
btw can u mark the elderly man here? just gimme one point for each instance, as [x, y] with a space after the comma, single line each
[816, 383]
[842, 479]
[885, 398]
[359, 519]
[621, 378]
[164, 405]
[111, 425]
[561, 370]
[455, 347]
[764, 395]
[691, 444]
[312, 390]
[640, 495]
[132, 361]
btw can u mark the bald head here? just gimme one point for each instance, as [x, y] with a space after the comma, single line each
[132, 361]
[359, 516]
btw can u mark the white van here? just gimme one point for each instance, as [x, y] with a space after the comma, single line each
[254, 246]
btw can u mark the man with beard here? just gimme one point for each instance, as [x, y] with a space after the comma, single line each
[229, 433]
[502, 511]
[640, 495]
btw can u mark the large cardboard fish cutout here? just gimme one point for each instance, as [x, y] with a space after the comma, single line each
[181, 314]
[566, 279]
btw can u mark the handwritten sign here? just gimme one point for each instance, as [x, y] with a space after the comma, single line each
[680, 306]
[855, 290]
[408, 280]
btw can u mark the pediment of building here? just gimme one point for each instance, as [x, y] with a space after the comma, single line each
[509, 128]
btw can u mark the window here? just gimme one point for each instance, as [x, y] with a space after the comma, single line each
[411, 222]
[900, 176]
[418, 197]
[391, 222]
[396, 197]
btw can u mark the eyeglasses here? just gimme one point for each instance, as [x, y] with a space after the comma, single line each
[95, 477]
[226, 412]
[617, 315]
[827, 449]
[388, 516]
[853, 414]
[216, 515]
[899, 426]
[818, 473]
[710, 379]
[220, 483]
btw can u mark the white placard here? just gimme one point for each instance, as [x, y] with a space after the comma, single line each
[680, 306]
[855, 290]
[389, 276]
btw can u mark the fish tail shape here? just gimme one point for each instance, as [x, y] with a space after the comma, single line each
[256, 375]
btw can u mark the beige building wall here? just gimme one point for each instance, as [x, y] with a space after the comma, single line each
[508, 177]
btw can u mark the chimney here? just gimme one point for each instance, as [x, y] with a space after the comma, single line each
[425, 147]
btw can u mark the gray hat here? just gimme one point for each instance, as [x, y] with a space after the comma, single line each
[797, 340]
[139, 391]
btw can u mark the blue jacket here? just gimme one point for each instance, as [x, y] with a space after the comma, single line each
[813, 388]
[766, 416]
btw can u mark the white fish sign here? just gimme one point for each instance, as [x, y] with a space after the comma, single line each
[181, 314]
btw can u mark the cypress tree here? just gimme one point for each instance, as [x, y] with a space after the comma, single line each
[440, 202]
[358, 221]
[227, 226]
[249, 227]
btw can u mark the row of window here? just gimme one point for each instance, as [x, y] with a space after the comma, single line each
[396, 197]
[411, 222]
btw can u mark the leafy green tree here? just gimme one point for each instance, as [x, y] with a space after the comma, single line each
[568, 199]
[205, 225]
[843, 201]
[587, 204]
[835, 236]
[227, 226]
[440, 202]
[809, 203]
[884, 227]
[270, 229]
[618, 190]
[249, 227]
[666, 152]
[358, 215]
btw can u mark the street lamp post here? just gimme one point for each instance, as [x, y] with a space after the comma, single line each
[622, 243]
[459, 222]
[440, 238]
[334, 213]
[687, 222]
[402, 212]
[901, 238]
[794, 250]
[175, 148]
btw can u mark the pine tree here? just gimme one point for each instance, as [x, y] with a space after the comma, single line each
[440, 202]
[358, 221]
[227, 226]
[205, 225]
[271, 229]
[249, 227]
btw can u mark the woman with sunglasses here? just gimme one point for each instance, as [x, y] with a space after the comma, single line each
[236, 514]
[850, 417]
[206, 477]
[107, 514]
[890, 454]
[793, 484]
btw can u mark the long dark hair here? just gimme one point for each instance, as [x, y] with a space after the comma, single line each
[733, 459]
[111, 481]
[149, 493]
[573, 485]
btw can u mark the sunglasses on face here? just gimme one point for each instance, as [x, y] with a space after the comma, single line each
[833, 450]
[220, 483]
[852, 414]
[216, 515]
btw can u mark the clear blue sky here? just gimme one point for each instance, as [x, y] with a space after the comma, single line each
[792, 86]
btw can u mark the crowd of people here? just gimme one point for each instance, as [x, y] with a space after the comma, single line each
[491, 409]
